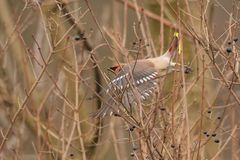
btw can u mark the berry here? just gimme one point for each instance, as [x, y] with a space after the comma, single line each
[71, 155]
[229, 50]
[162, 109]
[77, 37]
[134, 148]
[216, 141]
[132, 154]
[172, 146]
[132, 128]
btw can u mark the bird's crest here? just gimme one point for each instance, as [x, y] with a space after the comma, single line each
[174, 45]
[176, 34]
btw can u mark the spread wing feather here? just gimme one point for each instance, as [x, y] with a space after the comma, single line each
[134, 82]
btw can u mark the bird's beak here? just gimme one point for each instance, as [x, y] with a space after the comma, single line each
[174, 44]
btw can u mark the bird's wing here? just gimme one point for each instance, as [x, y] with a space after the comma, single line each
[135, 81]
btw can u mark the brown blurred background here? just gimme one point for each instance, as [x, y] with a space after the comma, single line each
[55, 56]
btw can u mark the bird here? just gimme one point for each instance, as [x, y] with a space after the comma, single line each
[136, 81]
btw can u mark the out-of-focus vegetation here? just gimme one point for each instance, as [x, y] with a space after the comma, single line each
[55, 56]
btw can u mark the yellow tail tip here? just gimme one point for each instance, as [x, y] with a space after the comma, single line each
[176, 34]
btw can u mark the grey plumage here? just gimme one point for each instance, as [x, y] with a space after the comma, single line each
[134, 82]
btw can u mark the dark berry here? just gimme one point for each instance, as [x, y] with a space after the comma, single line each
[187, 69]
[216, 141]
[132, 128]
[132, 154]
[205, 132]
[229, 50]
[235, 39]
[117, 115]
[218, 117]
[172, 146]
[209, 112]
[214, 134]
[77, 37]
[162, 109]
[229, 43]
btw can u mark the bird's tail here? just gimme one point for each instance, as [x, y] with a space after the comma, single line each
[174, 45]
